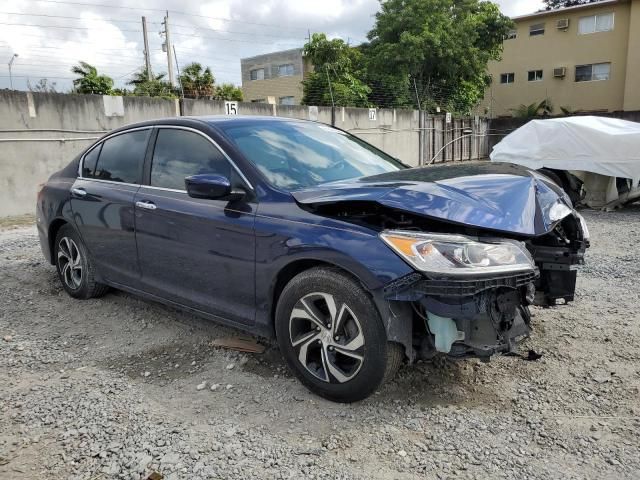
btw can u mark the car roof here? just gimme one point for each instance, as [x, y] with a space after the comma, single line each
[212, 120]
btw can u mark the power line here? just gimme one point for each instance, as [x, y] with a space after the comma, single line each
[64, 26]
[177, 12]
[64, 16]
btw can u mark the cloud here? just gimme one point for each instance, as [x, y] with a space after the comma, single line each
[52, 37]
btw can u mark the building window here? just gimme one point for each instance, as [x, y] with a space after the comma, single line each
[535, 75]
[596, 23]
[288, 100]
[257, 74]
[537, 29]
[258, 100]
[285, 70]
[507, 77]
[593, 73]
[511, 35]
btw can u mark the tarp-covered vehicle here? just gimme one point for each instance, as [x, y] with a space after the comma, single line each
[596, 160]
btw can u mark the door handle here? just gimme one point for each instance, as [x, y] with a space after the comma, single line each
[147, 205]
[79, 192]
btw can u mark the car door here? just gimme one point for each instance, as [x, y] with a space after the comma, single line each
[102, 200]
[197, 252]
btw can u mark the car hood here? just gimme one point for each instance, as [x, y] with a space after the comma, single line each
[493, 196]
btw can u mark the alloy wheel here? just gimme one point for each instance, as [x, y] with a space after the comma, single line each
[70, 262]
[326, 337]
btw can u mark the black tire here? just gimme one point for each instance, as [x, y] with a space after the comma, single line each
[78, 280]
[337, 375]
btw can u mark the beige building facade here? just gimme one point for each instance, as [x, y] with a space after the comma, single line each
[584, 59]
[274, 77]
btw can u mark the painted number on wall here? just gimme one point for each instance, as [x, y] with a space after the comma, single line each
[373, 114]
[231, 108]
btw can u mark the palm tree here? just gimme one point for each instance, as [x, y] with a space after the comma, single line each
[89, 80]
[196, 81]
[544, 108]
[142, 76]
[156, 87]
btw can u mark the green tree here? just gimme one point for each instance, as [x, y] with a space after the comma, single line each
[197, 81]
[89, 81]
[553, 4]
[543, 108]
[440, 48]
[156, 86]
[228, 91]
[337, 75]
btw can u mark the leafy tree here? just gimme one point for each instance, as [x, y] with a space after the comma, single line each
[196, 81]
[553, 4]
[336, 79]
[154, 87]
[89, 81]
[228, 91]
[443, 46]
[543, 108]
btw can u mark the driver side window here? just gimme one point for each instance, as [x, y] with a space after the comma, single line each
[179, 154]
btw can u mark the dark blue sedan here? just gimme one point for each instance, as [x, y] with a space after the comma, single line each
[296, 230]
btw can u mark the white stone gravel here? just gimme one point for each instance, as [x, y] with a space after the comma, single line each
[110, 389]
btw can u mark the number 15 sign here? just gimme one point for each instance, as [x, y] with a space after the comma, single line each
[231, 108]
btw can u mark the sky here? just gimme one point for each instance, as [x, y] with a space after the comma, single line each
[50, 36]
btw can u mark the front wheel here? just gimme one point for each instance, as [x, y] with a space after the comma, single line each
[332, 337]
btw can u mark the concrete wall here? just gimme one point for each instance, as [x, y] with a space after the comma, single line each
[40, 133]
[28, 156]
[568, 48]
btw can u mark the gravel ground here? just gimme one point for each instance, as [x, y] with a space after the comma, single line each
[117, 388]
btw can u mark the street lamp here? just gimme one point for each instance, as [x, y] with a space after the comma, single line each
[467, 133]
[15, 55]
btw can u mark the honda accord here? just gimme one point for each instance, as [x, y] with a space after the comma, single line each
[298, 231]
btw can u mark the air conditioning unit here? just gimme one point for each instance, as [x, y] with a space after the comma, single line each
[562, 24]
[560, 72]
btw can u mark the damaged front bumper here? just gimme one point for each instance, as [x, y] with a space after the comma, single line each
[466, 317]
[486, 314]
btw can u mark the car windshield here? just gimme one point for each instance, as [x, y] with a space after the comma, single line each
[295, 155]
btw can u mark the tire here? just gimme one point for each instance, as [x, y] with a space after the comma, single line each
[332, 337]
[75, 267]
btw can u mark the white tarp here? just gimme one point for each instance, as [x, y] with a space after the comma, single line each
[607, 146]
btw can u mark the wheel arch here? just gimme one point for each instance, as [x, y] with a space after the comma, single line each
[296, 267]
[397, 320]
[54, 228]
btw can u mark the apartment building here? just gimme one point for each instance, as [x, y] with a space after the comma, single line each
[584, 58]
[274, 77]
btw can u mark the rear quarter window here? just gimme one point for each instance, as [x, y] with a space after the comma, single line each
[120, 158]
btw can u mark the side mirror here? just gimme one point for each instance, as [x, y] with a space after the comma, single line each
[213, 187]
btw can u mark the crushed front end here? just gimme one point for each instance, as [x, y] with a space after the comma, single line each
[470, 296]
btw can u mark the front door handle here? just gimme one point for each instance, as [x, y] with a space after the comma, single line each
[147, 205]
[79, 192]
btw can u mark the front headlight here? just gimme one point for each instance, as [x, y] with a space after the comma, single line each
[458, 254]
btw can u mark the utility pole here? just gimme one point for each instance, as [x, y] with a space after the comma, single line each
[147, 59]
[169, 49]
[15, 55]
[178, 69]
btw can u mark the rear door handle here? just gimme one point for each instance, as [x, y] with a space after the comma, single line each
[147, 205]
[79, 192]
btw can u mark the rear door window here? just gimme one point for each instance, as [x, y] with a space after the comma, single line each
[121, 158]
[90, 161]
[181, 153]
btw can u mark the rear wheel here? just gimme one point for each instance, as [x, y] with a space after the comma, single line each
[331, 335]
[75, 268]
